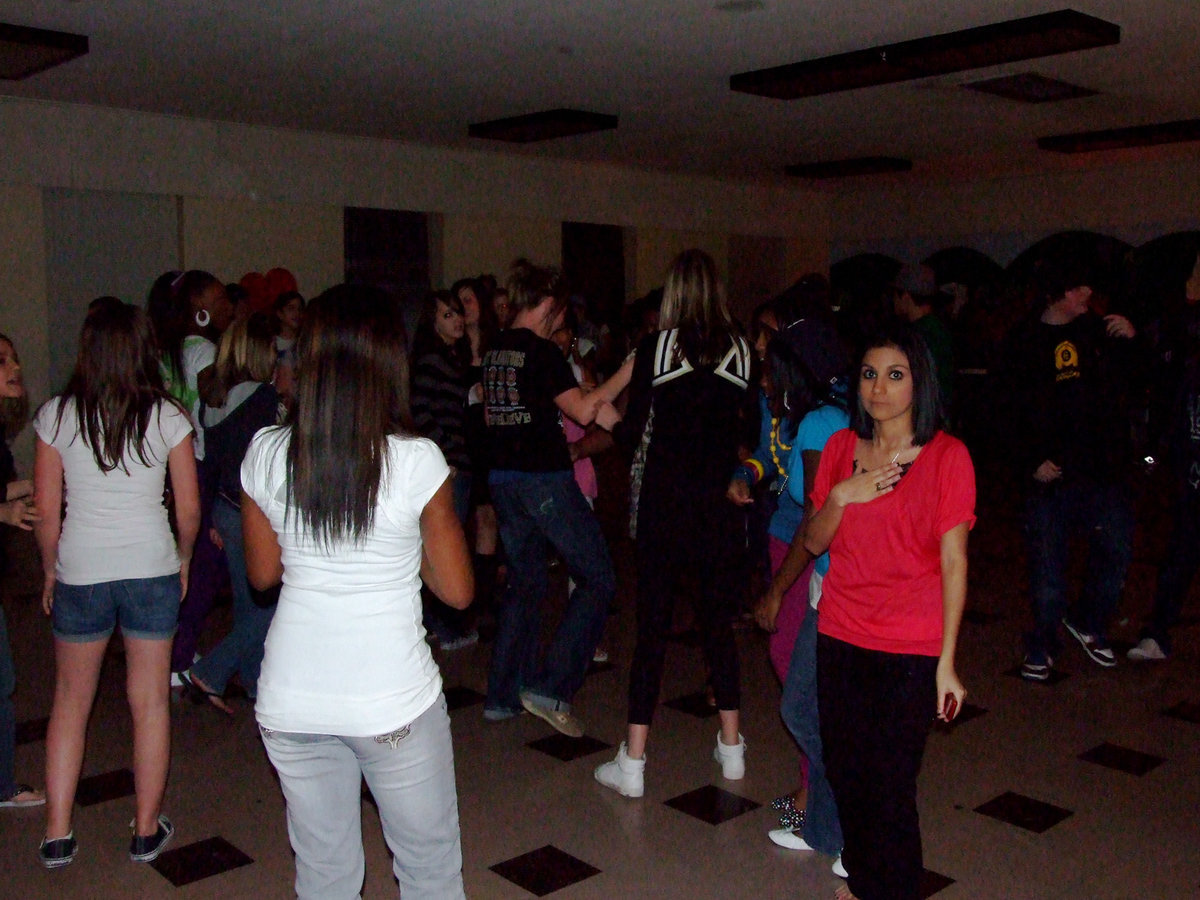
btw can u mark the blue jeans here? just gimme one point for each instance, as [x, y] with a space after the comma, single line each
[8, 720]
[822, 828]
[535, 510]
[410, 772]
[241, 651]
[445, 622]
[1052, 513]
[1177, 571]
[145, 608]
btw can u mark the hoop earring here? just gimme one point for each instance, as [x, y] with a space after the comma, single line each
[786, 401]
[202, 318]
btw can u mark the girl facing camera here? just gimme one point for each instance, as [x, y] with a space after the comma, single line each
[354, 511]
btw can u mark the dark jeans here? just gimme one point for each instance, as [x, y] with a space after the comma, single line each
[8, 721]
[535, 510]
[822, 831]
[445, 622]
[1177, 570]
[876, 710]
[1052, 513]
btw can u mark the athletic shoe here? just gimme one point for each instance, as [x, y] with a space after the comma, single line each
[458, 643]
[624, 775]
[59, 852]
[838, 869]
[560, 719]
[1036, 667]
[146, 848]
[732, 759]
[1098, 651]
[600, 656]
[788, 838]
[1147, 650]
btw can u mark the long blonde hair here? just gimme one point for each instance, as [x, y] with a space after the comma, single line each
[694, 302]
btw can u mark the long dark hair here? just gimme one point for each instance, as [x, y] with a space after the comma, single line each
[694, 302]
[427, 340]
[169, 304]
[14, 411]
[351, 396]
[116, 385]
[801, 385]
[927, 414]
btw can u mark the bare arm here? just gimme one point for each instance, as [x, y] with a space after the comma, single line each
[18, 490]
[264, 559]
[612, 388]
[580, 406]
[954, 601]
[797, 558]
[445, 560]
[48, 487]
[185, 489]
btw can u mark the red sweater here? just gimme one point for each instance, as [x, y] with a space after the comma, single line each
[884, 587]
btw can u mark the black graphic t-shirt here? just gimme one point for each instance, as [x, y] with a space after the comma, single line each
[522, 374]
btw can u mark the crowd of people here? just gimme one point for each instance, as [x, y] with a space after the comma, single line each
[358, 496]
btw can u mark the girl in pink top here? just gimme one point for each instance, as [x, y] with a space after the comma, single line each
[894, 500]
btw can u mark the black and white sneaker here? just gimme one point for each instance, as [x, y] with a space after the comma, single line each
[145, 848]
[59, 852]
[1097, 650]
[1036, 667]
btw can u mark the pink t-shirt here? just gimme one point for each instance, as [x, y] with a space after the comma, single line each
[884, 587]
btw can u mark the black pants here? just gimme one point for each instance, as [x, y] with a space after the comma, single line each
[1178, 569]
[876, 710]
[697, 547]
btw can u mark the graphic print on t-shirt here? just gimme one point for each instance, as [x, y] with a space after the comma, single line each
[1066, 361]
[500, 385]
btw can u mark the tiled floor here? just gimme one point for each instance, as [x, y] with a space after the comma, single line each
[1086, 786]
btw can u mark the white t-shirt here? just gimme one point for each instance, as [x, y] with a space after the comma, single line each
[116, 524]
[346, 653]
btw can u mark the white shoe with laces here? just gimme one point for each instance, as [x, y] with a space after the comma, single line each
[788, 839]
[1147, 650]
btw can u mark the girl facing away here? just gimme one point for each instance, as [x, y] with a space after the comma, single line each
[354, 511]
[111, 439]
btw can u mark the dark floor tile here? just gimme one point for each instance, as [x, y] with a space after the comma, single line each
[689, 637]
[31, 731]
[1056, 675]
[545, 870]
[981, 617]
[203, 859]
[711, 804]
[102, 788]
[1123, 759]
[459, 697]
[694, 705]
[566, 748]
[1186, 710]
[968, 712]
[933, 882]
[1024, 812]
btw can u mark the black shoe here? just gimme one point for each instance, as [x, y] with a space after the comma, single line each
[59, 852]
[146, 848]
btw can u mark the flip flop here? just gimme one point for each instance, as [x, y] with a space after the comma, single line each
[198, 693]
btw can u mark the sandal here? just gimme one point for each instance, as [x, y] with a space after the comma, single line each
[198, 692]
[22, 797]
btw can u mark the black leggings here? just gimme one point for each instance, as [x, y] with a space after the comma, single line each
[702, 546]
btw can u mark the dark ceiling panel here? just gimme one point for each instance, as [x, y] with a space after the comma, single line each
[845, 168]
[27, 51]
[543, 126]
[1030, 87]
[1123, 138]
[972, 48]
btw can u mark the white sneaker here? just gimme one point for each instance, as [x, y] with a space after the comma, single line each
[838, 869]
[1146, 650]
[788, 838]
[732, 759]
[624, 775]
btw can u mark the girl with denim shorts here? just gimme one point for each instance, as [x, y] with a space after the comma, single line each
[107, 443]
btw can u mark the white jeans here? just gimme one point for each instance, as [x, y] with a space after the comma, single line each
[411, 775]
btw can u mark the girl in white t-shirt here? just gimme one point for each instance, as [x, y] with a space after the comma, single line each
[353, 512]
[111, 438]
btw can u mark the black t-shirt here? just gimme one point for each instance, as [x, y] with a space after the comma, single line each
[522, 374]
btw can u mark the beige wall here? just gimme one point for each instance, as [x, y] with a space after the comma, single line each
[24, 312]
[653, 249]
[232, 237]
[473, 245]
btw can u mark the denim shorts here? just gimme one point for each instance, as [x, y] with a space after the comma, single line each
[146, 608]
